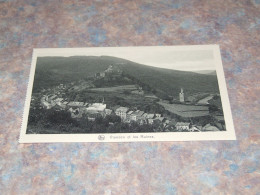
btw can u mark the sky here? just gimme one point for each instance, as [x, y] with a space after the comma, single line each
[178, 60]
[164, 57]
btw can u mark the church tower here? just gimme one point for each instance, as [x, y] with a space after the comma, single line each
[181, 96]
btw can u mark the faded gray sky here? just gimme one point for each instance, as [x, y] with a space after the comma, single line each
[190, 58]
[179, 60]
[186, 60]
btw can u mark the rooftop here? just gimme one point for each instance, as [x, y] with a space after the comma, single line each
[130, 112]
[182, 124]
[160, 118]
[97, 107]
[150, 115]
[140, 113]
[59, 99]
[122, 109]
[54, 96]
[76, 104]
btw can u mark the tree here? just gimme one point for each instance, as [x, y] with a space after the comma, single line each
[213, 108]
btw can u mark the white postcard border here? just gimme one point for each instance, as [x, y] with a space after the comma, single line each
[229, 134]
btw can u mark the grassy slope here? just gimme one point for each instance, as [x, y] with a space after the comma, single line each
[170, 81]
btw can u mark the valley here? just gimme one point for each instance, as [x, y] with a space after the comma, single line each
[115, 95]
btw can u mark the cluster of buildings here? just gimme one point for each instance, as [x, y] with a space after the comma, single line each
[108, 72]
[141, 118]
[93, 110]
[138, 116]
[77, 109]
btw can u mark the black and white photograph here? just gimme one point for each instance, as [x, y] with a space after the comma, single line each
[118, 94]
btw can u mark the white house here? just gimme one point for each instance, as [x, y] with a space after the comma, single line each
[121, 112]
[140, 114]
[134, 115]
[63, 104]
[150, 121]
[195, 128]
[158, 115]
[96, 107]
[128, 116]
[47, 105]
[182, 126]
[58, 101]
[150, 116]
[76, 104]
[108, 111]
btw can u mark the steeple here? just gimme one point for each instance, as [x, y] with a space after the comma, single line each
[181, 96]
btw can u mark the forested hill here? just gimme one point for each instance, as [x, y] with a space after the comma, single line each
[52, 71]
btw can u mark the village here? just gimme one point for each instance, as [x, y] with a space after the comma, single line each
[56, 99]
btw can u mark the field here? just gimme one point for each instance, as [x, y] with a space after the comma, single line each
[186, 110]
[196, 97]
[205, 100]
[115, 89]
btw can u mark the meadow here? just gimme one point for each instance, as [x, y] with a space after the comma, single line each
[186, 110]
[119, 89]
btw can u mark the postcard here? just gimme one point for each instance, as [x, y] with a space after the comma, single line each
[127, 94]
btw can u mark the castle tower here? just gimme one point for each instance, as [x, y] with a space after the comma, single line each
[181, 96]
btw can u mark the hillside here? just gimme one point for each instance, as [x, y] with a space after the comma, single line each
[208, 72]
[52, 71]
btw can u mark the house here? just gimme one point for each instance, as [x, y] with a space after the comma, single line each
[93, 116]
[145, 116]
[139, 115]
[167, 121]
[75, 112]
[134, 115]
[161, 119]
[138, 92]
[195, 128]
[141, 121]
[102, 74]
[158, 115]
[150, 116]
[108, 111]
[53, 97]
[121, 112]
[58, 101]
[170, 125]
[56, 107]
[76, 104]
[182, 126]
[150, 121]
[63, 104]
[109, 69]
[47, 105]
[128, 116]
[96, 107]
